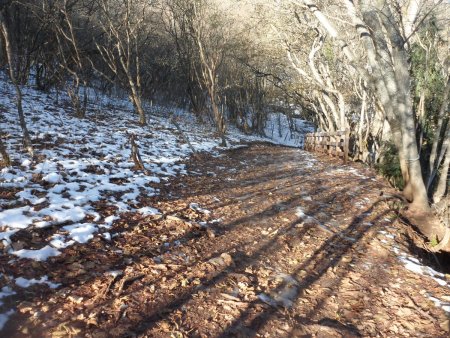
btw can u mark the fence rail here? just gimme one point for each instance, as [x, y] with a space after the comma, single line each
[333, 144]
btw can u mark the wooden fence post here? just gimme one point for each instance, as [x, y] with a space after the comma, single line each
[346, 145]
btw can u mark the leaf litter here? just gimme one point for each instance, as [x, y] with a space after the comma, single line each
[271, 269]
[255, 240]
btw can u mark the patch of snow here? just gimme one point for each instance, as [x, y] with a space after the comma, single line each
[5, 236]
[81, 232]
[196, 207]
[6, 291]
[26, 163]
[4, 318]
[267, 299]
[438, 303]
[415, 266]
[110, 219]
[15, 218]
[281, 129]
[25, 283]
[299, 212]
[149, 211]
[115, 273]
[59, 242]
[65, 212]
[37, 255]
[52, 178]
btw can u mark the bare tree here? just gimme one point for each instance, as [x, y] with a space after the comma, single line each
[204, 25]
[384, 30]
[70, 52]
[124, 34]
[9, 55]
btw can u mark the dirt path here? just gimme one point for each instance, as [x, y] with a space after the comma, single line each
[276, 244]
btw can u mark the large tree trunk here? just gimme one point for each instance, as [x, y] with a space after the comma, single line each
[388, 78]
[414, 184]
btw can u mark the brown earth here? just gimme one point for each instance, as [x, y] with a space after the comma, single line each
[265, 269]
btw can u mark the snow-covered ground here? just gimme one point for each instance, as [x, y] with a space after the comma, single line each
[417, 267]
[84, 161]
[283, 130]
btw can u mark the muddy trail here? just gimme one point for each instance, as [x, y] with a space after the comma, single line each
[261, 241]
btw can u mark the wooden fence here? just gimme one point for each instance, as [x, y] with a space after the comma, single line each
[333, 144]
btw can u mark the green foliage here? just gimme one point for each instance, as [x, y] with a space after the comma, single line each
[426, 73]
[389, 165]
[428, 76]
[434, 242]
[328, 52]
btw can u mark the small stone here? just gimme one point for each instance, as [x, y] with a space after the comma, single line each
[210, 233]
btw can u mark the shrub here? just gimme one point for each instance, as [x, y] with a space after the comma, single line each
[389, 165]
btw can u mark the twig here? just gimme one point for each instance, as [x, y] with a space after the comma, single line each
[126, 280]
[185, 138]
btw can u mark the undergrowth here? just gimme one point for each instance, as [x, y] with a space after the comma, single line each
[389, 165]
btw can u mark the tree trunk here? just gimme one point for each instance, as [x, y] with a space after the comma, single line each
[26, 136]
[219, 119]
[434, 150]
[443, 183]
[415, 185]
[74, 94]
[362, 144]
[4, 153]
[135, 155]
[420, 119]
[137, 103]
[329, 120]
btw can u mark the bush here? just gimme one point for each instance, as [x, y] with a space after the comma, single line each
[389, 165]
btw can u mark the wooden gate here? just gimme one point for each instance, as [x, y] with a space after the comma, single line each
[333, 144]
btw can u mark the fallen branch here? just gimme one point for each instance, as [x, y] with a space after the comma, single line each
[126, 280]
[102, 294]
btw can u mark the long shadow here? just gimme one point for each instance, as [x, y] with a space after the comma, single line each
[293, 175]
[356, 230]
[243, 260]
